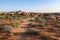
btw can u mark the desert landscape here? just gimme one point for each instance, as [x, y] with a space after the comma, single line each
[19, 25]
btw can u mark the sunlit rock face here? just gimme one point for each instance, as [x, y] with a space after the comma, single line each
[19, 25]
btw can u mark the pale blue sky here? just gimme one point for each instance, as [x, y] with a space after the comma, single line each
[30, 5]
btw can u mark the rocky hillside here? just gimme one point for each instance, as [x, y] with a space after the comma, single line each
[18, 25]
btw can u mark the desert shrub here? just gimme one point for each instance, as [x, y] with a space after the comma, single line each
[15, 23]
[47, 18]
[14, 16]
[39, 19]
[31, 14]
[57, 14]
[40, 25]
[32, 33]
[9, 16]
[5, 28]
[2, 16]
[30, 20]
[50, 29]
[22, 14]
[57, 24]
[31, 25]
[46, 14]
[5, 31]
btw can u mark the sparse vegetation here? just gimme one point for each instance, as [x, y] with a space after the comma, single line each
[30, 24]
